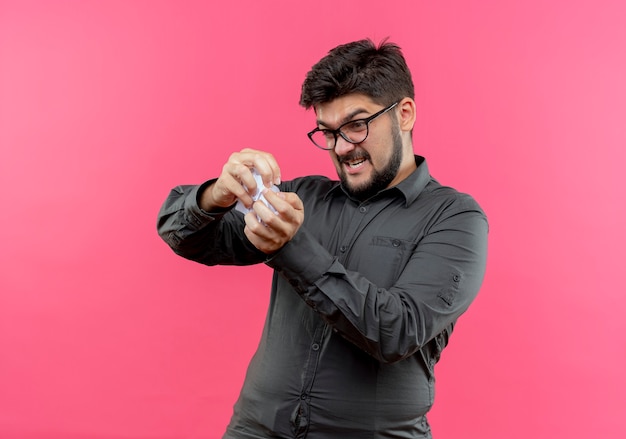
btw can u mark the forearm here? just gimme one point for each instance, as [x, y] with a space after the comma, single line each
[204, 237]
[436, 286]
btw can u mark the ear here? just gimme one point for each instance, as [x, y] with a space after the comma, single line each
[406, 114]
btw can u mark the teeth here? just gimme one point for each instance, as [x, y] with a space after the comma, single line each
[355, 164]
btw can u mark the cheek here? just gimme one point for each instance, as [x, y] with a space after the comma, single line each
[378, 149]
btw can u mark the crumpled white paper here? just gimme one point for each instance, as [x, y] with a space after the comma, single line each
[257, 196]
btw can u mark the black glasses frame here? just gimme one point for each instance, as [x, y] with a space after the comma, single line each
[337, 132]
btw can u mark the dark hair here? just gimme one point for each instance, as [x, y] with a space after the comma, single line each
[379, 72]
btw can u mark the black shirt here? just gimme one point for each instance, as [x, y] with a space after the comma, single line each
[363, 300]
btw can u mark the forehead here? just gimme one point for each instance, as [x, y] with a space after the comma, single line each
[344, 108]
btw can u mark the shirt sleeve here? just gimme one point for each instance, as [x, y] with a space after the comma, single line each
[440, 280]
[207, 238]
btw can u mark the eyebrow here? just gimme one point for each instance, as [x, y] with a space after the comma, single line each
[346, 119]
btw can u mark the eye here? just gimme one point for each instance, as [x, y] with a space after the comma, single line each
[355, 126]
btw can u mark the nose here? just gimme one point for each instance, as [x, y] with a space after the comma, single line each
[342, 146]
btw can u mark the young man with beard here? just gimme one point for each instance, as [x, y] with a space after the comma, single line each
[371, 272]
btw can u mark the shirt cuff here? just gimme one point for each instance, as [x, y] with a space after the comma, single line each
[196, 215]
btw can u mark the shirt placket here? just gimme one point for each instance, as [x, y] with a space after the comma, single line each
[359, 216]
[301, 416]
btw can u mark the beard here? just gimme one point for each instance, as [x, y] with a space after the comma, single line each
[381, 178]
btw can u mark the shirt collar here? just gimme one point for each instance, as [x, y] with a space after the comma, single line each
[410, 187]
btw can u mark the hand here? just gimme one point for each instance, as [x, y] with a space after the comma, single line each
[274, 230]
[237, 173]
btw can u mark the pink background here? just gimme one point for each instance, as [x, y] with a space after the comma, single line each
[104, 106]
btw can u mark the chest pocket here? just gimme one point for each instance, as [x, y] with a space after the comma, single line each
[383, 259]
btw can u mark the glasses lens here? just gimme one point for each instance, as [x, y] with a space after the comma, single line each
[355, 132]
[324, 139]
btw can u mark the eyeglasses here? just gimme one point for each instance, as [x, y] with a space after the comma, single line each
[355, 131]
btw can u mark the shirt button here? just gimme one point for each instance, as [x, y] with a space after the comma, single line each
[362, 209]
[342, 248]
[395, 243]
[303, 396]
[315, 346]
[456, 277]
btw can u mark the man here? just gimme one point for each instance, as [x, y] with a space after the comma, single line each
[371, 272]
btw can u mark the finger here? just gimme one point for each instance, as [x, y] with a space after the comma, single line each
[268, 169]
[264, 163]
[246, 179]
[285, 220]
[265, 214]
[264, 245]
[294, 200]
[284, 202]
[233, 190]
[269, 231]
[237, 180]
[280, 206]
[257, 231]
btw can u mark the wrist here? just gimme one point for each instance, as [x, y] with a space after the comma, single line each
[204, 197]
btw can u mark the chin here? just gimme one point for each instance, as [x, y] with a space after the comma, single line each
[360, 191]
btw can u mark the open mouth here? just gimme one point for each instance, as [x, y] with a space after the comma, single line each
[355, 163]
